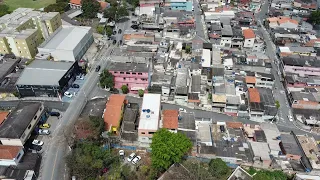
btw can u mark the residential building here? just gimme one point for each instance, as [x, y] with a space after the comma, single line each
[240, 173]
[113, 113]
[170, 120]
[149, 117]
[16, 129]
[129, 127]
[133, 75]
[290, 147]
[305, 99]
[206, 58]
[282, 22]
[249, 37]
[24, 30]
[311, 150]
[68, 43]
[10, 155]
[237, 38]
[138, 36]
[261, 157]
[184, 5]
[226, 35]
[273, 137]
[182, 86]
[8, 73]
[47, 78]
[261, 103]
[301, 176]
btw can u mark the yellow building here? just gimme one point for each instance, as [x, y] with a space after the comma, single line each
[22, 31]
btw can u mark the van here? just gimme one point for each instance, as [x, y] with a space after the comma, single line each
[53, 113]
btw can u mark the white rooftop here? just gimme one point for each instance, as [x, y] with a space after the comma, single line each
[261, 149]
[206, 58]
[67, 38]
[150, 120]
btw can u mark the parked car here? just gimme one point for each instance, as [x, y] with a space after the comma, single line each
[37, 142]
[35, 147]
[68, 94]
[43, 132]
[75, 85]
[80, 76]
[290, 118]
[135, 26]
[121, 152]
[44, 126]
[53, 113]
[136, 160]
[119, 31]
[120, 42]
[182, 110]
[114, 42]
[98, 68]
[131, 157]
[114, 32]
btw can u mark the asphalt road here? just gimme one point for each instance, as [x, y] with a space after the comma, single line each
[200, 26]
[53, 164]
[61, 106]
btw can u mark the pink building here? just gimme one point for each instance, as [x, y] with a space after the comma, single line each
[134, 75]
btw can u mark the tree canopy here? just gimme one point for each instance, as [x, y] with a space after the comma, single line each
[57, 7]
[168, 148]
[90, 8]
[140, 92]
[270, 175]
[100, 29]
[88, 160]
[116, 12]
[124, 89]
[219, 169]
[108, 30]
[106, 79]
[315, 17]
[133, 3]
[4, 9]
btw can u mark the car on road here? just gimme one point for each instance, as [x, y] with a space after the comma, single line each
[43, 132]
[75, 86]
[114, 42]
[68, 94]
[136, 160]
[80, 76]
[98, 68]
[35, 147]
[37, 142]
[120, 42]
[53, 113]
[44, 126]
[290, 118]
[121, 152]
[114, 32]
[135, 26]
[119, 31]
[131, 157]
[182, 110]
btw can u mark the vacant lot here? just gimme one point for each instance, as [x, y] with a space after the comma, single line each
[36, 4]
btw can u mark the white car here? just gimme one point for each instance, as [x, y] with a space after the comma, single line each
[43, 132]
[136, 160]
[121, 152]
[80, 77]
[68, 94]
[290, 118]
[182, 110]
[132, 155]
[37, 142]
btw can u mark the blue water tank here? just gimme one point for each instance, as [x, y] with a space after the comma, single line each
[148, 110]
[143, 110]
[179, 66]
[179, 117]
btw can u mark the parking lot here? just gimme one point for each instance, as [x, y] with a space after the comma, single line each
[145, 158]
[74, 91]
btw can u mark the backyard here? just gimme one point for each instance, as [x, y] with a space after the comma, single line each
[36, 4]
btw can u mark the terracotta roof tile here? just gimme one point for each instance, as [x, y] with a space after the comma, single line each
[235, 125]
[77, 2]
[3, 116]
[248, 33]
[103, 4]
[250, 79]
[9, 152]
[254, 95]
[170, 119]
[113, 111]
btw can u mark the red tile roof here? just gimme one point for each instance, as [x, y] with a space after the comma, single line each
[3, 116]
[103, 4]
[76, 2]
[248, 33]
[235, 125]
[113, 111]
[170, 119]
[254, 95]
[9, 152]
[250, 79]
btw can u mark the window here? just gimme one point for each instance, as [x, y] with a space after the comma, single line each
[142, 79]
[134, 73]
[121, 72]
[127, 72]
[139, 73]
[115, 72]
[29, 126]
[135, 78]
[143, 133]
[151, 133]
[124, 78]
[18, 156]
[249, 40]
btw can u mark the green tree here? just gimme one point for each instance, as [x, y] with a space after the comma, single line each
[108, 30]
[188, 49]
[219, 169]
[141, 92]
[168, 148]
[88, 159]
[124, 89]
[277, 104]
[100, 29]
[133, 3]
[97, 124]
[110, 12]
[4, 9]
[60, 7]
[113, 3]
[315, 17]
[106, 79]
[270, 175]
[90, 8]
[122, 12]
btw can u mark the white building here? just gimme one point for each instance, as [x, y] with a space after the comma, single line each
[249, 38]
[206, 58]
[149, 117]
[69, 43]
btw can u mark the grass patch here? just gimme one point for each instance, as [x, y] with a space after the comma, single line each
[36, 4]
